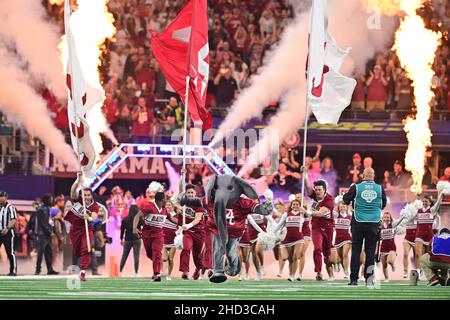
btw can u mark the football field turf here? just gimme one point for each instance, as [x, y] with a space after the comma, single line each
[144, 288]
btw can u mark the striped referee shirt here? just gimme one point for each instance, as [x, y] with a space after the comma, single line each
[7, 212]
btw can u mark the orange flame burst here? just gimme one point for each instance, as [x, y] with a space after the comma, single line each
[416, 46]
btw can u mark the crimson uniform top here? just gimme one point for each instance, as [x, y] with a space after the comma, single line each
[75, 215]
[327, 220]
[190, 216]
[154, 218]
[293, 234]
[260, 221]
[387, 239]
[275, 217]
[236, 217]
[342, 229]
[245, 239]
[169, 229]
[424, 229]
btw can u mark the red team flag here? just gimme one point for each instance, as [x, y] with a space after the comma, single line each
[329, 91]
[78, 102]
[181, 50]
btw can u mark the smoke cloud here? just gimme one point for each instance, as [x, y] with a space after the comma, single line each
[23, 24]
[19, 101]
[174, 178]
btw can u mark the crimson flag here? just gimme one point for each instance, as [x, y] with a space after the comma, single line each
[182, 49]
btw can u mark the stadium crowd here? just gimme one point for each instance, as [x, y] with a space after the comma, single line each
[140, 106]
[240, 33]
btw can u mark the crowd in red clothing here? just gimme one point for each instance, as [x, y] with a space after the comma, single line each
[240, 32]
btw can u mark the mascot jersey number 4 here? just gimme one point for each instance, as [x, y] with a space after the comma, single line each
[225, 197]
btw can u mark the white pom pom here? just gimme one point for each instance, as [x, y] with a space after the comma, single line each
[174, 198]
[408, 212]
[417, 204]
[267, 240]
[268, 195]
[155, 187]
[444, 187]
[400, 229]
[291, 197]
[178, 242]
[338, 199]
[441, 185]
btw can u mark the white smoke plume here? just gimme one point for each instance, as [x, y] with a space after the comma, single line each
[19, 101]
[24, 25]
[174, 178]
[283, 75]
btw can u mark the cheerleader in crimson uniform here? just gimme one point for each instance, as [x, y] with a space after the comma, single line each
[343, 237]
[306, 231]
[279, 210]
[244, 253]
[193, 236]
[424, 232]
[257, 223]
[169, 250]
[409, 244]
[292, 244]
[388, 250]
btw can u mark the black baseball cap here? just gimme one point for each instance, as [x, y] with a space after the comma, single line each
[3, 194]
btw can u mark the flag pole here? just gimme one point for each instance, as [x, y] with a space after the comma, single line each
[305, 137]
[69, 50]
[186, 103]
[305, 126]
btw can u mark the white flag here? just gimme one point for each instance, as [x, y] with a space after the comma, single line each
[329, 92]
[80, 96]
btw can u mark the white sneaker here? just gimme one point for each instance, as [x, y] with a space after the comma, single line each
[279, 275]
[346, 276]
[200, 277]
[386, 280]
[136, 275]
[291, 279]
[262, 271]
[168, 278]
[258, 276]
[405, 275]
[246, 277]
[421, 275]
[240, 278]
[331, 279]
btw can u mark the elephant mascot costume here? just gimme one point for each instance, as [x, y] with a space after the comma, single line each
[224, 194]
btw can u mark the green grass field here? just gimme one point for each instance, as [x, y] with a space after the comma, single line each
[144, 288]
